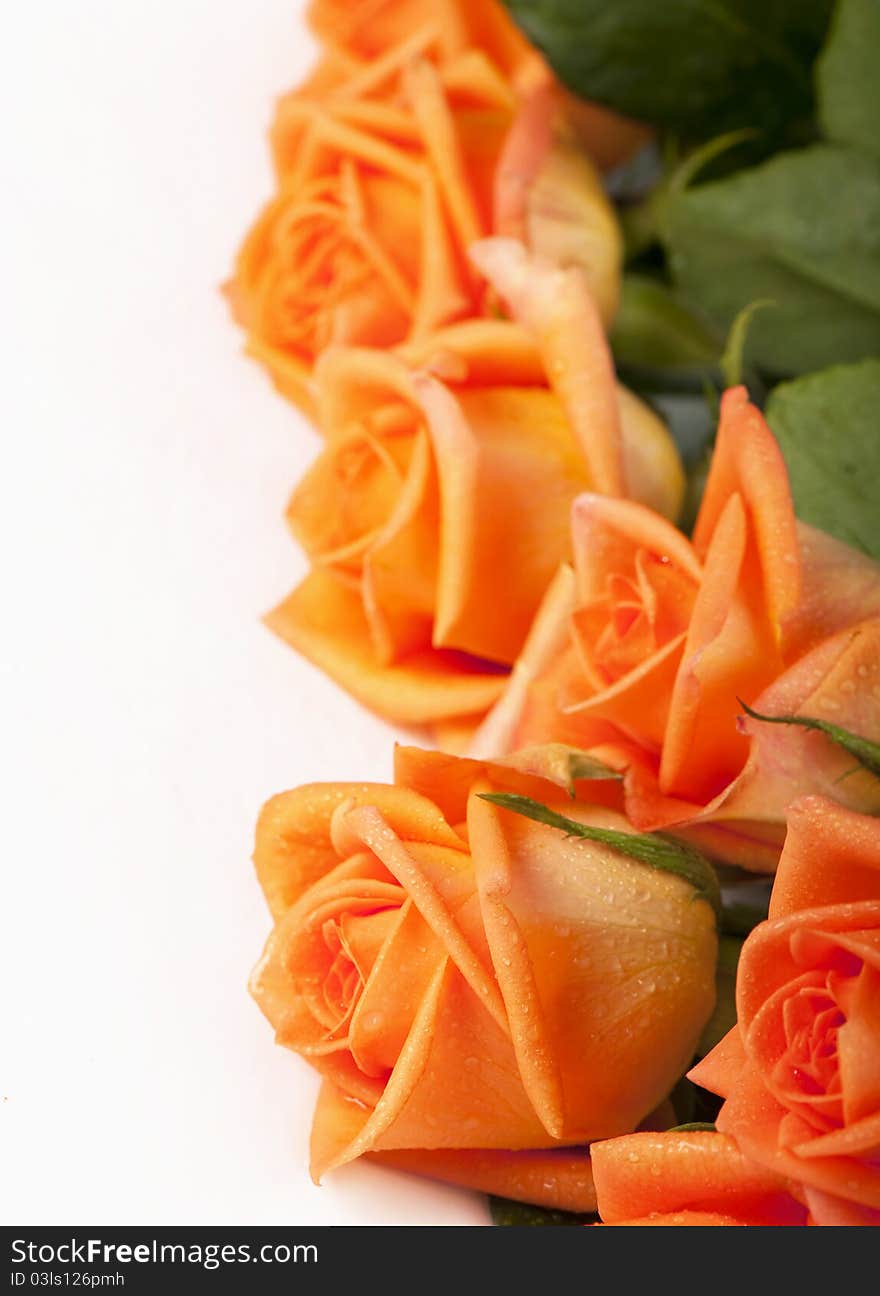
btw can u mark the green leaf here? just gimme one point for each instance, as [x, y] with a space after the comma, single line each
[507, 1214]
[695, 66]
[653, 329]
[826, 425]
[657, 851]
[848, 85]
[803, 230]
[724, 1014]
[867, 753]
[691, 1126]
[693, 1105]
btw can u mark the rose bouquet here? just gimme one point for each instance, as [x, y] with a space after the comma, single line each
[606, 946]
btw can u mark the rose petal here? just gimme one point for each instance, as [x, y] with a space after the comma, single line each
[439, 881]
[500, 453]
[596, 955]
[557, 1179]
[832, 682]
[556, 306]
[752, 1117]
[324, 620]
[549, 197]
[747, 461]
[455, 1085]
[688, 1171]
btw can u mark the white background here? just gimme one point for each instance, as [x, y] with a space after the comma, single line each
[146, 714]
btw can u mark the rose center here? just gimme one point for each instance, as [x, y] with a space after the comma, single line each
[636, 614]
[334, 961]
[319, 265]
[807, 1075]
[350, 493]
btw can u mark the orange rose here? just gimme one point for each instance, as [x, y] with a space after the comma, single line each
[367, 29]
[387, 161]
[642, 652]
[482, 995]
[800, 1072]
[437, 513]
[360, 32]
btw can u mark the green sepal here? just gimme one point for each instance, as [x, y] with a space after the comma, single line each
[867, 753]
[658, 851]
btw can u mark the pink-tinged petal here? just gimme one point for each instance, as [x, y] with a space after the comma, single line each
[548, 195]
[840, 588]
[607, 532]
[830, 1211]
[839, 681]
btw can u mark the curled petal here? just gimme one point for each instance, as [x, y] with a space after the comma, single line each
[324, 620]
[555, 1178]
[690, 1172]
[548, 195]
[557, 307]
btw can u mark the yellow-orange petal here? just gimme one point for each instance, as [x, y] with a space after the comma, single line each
[547, 639]
[456, 1084]
[508, 468]
[596, 956]
[324, 620]
[556, 306]
[652, 467]
[293, 847]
